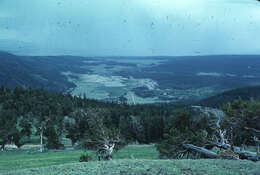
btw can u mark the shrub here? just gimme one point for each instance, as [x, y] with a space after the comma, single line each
[85, 158]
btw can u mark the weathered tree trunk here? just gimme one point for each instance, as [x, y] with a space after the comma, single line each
[41, 137]
[110, 151]
[212, 155]
[257, 141]
[246, 154]
[106, 152]
[205, 152]
[2, 147]
[258, 150]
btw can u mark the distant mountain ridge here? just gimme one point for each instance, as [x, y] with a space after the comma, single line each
[173, 79]
[244, 93]
[36, 72]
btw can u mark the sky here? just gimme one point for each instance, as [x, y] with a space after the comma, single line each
[130, 27]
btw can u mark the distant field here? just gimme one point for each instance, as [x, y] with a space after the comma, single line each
[164, 79]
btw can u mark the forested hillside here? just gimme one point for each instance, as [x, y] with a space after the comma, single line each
[37, 72]
[26, 113]
[229, 96]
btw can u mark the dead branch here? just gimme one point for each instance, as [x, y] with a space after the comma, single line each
[252, 129]
[257, 141]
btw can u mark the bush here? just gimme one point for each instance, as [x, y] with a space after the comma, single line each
[54, 144]
[85, 158]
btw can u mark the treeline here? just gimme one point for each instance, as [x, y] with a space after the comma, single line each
[25, 113]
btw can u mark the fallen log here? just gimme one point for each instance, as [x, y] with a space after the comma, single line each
[203, 151]
[246, 154]
[212, 155]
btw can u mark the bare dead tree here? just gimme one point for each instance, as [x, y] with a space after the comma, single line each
[41, 138]
[104, 146]
[106, 149]
[222, 142]
[257, 141]
[220, 137]
[41, 129]
[99, 137]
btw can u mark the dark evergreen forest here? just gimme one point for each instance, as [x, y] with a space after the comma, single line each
[51, 116]
[24, 112]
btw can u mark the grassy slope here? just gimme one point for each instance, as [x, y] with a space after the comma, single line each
[136, 160]
[149, 167]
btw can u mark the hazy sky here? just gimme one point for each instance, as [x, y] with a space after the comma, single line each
[130, 27]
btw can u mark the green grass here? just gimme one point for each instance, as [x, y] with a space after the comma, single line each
[148, 167]
[31, 159]
[24, 159]
[131, 160]
[137, 152]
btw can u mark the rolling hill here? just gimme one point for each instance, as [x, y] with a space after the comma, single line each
[132, 79]
[229, 96]
[37, 72]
